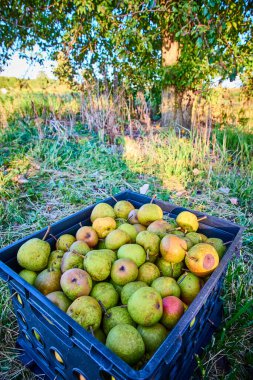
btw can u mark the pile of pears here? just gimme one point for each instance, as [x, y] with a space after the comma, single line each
[128, 277]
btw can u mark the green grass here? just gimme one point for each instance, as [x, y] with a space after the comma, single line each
[44, 179]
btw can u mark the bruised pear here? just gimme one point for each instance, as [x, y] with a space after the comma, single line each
[88, 235]
[33, 254]
[75, 283]
[202, 259]
[124, 271]
[148, 213]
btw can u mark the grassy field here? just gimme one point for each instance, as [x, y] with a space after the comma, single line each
[48, 172]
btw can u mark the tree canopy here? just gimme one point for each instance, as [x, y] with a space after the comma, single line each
[125, 37]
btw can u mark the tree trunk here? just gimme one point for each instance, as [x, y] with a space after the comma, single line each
[176, 107]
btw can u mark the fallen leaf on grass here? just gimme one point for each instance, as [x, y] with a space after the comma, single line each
[20, 179]
[224, 190]
[234, 201]
[144, 189]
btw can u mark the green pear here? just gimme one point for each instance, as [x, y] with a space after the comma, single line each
[80, 247]
[166, 286]
[178, 233]
[116, 239]
[117, 287]
[71, 260]
[188, 242]
[100, 335]
[129, 289]
[33, 254]
[190, 286]
[148, 213]
[130, 230]
[160, 228]
[64, 242]
[110, 254]
[145, 306]
[76, 283]
[149, 241]
[122, 209]
[134, 252]
[86, 311]
[103, 226]
[148, 272]
[48, 281]
[139, 227]
[218, 245]
[97, 264]
[60, 300]
[117, 315]
[55, 259]
[125, 341]
[195, 237]
[120, 221]
[105, 293]
[153, 336]
[101, 244]
[124, 271]
[132, 217]
[102, 210]
[187, 221]
[169, 269]
[28, 275]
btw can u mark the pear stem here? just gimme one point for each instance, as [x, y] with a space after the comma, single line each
[103, 308]
[153, 198]
[175, 229]
[123, 306]
[47, 232]
[53, 237]
[203, 218]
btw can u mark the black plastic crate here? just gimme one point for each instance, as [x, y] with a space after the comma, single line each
[81, 353]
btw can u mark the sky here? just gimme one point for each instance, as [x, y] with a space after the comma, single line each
[19, 68]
